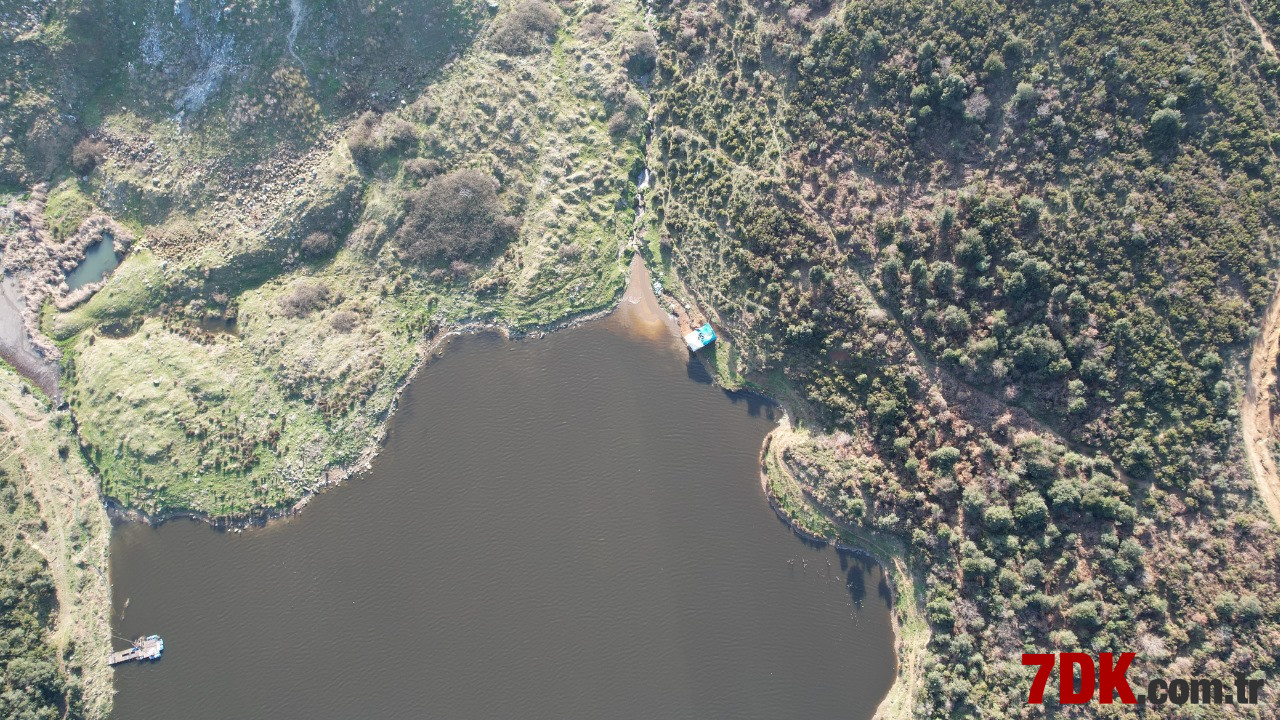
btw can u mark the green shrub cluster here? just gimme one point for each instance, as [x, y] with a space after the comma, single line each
[32, 684]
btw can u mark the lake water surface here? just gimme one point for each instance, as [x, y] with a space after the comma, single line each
[570, 527]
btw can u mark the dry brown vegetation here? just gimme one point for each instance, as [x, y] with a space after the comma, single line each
[455, 216]
[304, 297]
[526, 28]
[86, 155]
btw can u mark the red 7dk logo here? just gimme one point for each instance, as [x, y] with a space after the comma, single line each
[1110, 679]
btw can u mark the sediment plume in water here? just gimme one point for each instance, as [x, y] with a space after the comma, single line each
[639, 312]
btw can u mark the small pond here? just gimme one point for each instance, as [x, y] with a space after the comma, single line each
[99, 260]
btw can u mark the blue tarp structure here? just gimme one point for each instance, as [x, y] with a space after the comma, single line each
[700, 338]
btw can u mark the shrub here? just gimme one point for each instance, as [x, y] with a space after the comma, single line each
[994, 65]
[1030, 510]
[1025, 93]
[422, 167]
[402, 134]
[363, 139]
[455, 216]
[525, 28]
[304, 297]
[945, 458]
[318, 244]
[998, 518]
[1166, 124]
[344, 321]
[369, 137]
[87, 155]
[618, 123]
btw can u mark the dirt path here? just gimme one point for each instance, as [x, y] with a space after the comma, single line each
[1262, 34]
[1260, 386]
[1255, 412]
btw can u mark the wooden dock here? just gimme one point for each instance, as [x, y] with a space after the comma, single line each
[147, 648]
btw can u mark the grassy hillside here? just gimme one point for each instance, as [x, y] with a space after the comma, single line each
[1011, 257]
[291, 265]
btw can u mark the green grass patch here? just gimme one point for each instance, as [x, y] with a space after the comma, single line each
[67, 207]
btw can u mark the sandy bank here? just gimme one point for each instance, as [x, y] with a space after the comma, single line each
[639, 311]
[16, 346]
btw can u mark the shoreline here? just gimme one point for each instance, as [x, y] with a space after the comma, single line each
[431, 349]
[643, 313]
[910, 630]
[646, 316]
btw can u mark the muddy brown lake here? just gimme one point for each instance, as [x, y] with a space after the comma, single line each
[569, 527]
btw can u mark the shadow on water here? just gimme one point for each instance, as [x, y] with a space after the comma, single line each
[858, 566]
[855, 564]
[857, 585]
[697, 371]
[885, 593]
[756, 403]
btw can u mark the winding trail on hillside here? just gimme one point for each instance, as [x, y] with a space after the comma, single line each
[1255, 412]
[1262, 34]
[1260, 384]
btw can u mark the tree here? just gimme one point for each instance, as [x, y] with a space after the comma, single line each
[642, 53]
[363, 140]
[318, 244]
[1030, 510]
[1166, 126]
[87, 155]
[998, 518]
[945, 458]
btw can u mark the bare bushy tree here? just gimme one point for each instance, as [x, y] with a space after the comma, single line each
[526, 28]
[455, 216]
[344, 321]
[304, 297]
[641, 52]
[87, 154]
[318, 244]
